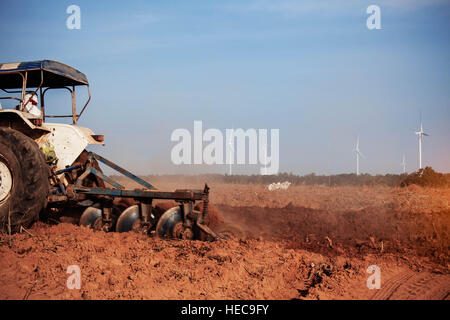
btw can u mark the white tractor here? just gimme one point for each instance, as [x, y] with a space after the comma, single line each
[45, 168]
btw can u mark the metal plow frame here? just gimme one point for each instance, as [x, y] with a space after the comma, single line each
[87, 196]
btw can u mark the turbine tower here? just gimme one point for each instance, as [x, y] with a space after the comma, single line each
[265, 158]
[230, 150]
[420, 134]
[358, 154]
[404, 164]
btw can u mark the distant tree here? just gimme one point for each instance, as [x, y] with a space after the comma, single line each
[426, 177]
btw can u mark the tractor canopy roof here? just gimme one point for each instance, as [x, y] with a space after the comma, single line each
[49, 73]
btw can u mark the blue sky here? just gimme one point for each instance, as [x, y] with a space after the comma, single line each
[309, 68]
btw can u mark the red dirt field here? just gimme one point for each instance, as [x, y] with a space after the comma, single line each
[303, 243]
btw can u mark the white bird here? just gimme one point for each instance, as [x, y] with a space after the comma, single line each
[358, 154]
[420, 133]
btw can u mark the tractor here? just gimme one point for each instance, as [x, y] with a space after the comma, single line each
[45, 168]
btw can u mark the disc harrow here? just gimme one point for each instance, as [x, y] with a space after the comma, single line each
[182, 221]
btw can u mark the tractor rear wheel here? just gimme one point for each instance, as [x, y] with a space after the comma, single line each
[24, 180]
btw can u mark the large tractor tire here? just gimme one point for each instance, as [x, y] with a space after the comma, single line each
[24, 180]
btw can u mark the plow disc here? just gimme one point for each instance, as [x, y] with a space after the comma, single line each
[230, 230]
[89, 216]
[92, 217]
[170, 225]
[128, 219]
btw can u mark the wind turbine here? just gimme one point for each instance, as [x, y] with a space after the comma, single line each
[404, 164]
[420, 134]
[265, 157]
[358, 154]
[231, 149]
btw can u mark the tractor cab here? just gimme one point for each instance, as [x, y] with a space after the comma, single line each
[25, 84]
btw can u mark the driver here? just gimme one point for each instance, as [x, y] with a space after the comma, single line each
[31, 102]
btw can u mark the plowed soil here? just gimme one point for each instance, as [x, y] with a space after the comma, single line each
[303, 243]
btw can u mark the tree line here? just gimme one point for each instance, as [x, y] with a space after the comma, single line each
[426, 177]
